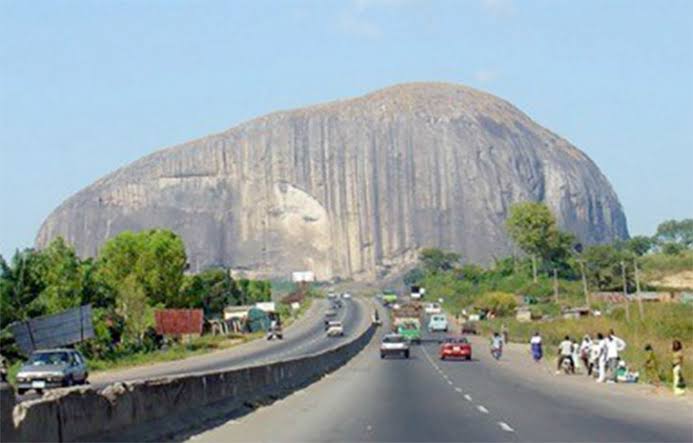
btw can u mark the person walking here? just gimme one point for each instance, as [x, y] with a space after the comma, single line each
[601, 357]
[535, 344]
[584, 351]
[565, 352]
[677, 368]
[651, 366]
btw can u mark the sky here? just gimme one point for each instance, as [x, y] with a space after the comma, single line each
[89, 86]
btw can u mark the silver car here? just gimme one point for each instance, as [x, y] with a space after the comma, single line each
[52, 368]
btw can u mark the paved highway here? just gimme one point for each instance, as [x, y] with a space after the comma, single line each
[306, 336]
[425, 399]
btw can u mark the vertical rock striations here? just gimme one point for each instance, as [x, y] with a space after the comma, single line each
[350, 188]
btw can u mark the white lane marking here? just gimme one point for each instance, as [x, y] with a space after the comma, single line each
[467, 397]
[482, 409]
[504, 426]
[458, 390]
[449, 382]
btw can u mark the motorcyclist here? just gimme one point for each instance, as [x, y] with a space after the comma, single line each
[496, 345]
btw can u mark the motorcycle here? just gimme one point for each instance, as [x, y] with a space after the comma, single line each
[497, 352]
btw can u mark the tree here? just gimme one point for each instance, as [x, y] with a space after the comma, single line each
[639, 245]
[20, 285]
[677, 232]
[533, 228]
[155, 258]
[60, 272]
[132, 306]
[436, 260]
[414, 276]
[603, 267]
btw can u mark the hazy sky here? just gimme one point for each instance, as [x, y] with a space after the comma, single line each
[89, 86]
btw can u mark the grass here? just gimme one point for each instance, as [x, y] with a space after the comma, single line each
[662, 323]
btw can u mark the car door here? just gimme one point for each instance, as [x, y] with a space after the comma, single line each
[78, 368]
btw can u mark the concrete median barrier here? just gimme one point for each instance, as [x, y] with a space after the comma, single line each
[152, 409]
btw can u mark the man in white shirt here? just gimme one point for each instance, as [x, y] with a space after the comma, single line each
[601, 358]
[614, 346]
[565, 352]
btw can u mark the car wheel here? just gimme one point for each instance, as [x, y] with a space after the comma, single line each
[382, 355]
[39, 391]
[69, 381]
[21, 391]
[469, 357]
[406, 354]
[442, 357]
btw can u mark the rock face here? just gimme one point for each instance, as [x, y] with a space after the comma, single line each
[350, 188]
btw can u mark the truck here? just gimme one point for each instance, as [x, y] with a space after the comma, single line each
[406, 321]
[389, 296]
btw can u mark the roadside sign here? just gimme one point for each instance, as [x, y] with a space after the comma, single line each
[52, 331]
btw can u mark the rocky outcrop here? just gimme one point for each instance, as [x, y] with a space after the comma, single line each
[350, 188]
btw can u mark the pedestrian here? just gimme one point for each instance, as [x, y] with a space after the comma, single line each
[576, 356]
[584, 351]
[677, 368]
[504, 332]
[535, 344]
[565, 352]
[601, 358]
[614, 346]
[651, 366]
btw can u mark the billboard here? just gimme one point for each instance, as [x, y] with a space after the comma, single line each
[304, 276]
[54, 331]
[178, 321]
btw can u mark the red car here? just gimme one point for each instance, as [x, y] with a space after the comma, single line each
[455, 347]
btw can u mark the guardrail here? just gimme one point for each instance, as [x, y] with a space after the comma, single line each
[161, 407]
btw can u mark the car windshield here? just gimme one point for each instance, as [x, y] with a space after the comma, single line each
[392, 339]
[49, 358]
[455, 340]
[438, 318]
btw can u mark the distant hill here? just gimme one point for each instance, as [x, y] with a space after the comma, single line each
[350, 188]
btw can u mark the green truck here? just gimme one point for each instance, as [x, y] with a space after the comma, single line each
[389, 297]
[410, 329]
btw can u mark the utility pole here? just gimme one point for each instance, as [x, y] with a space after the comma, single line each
[625, 290]
[637, 290]
[584, 282]
[555, 285]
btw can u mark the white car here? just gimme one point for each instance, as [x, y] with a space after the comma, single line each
[432, 309]
[335, 329]
[394, 344]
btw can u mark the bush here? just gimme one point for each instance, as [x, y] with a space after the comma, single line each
[500, 303]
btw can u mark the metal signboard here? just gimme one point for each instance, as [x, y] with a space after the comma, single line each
[178, 321]
[53, 331]
[304, 276]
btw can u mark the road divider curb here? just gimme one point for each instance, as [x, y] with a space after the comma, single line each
[158, 408]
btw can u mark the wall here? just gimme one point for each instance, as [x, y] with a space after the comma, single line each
[162, 407]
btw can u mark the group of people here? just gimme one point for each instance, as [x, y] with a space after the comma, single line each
[600, 357]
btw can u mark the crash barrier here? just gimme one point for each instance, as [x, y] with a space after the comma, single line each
[87, 414]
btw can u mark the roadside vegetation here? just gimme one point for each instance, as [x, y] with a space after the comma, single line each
[133, 275]
[555, 272]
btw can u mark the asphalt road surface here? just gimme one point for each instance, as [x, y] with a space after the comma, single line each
[425, 399]
[306, 336]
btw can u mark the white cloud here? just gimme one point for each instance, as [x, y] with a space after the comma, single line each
[358, 25]
[357, 18]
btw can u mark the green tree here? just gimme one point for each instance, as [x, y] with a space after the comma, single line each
[60, 271]
[155, 259]
[20, 285]
[675, 232]
[132, 305]
[638, 245]
[603, 267]
[435, 260]
[532, 227]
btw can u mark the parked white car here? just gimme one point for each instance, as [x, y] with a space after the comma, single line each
[335, 329]
[432, 309]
